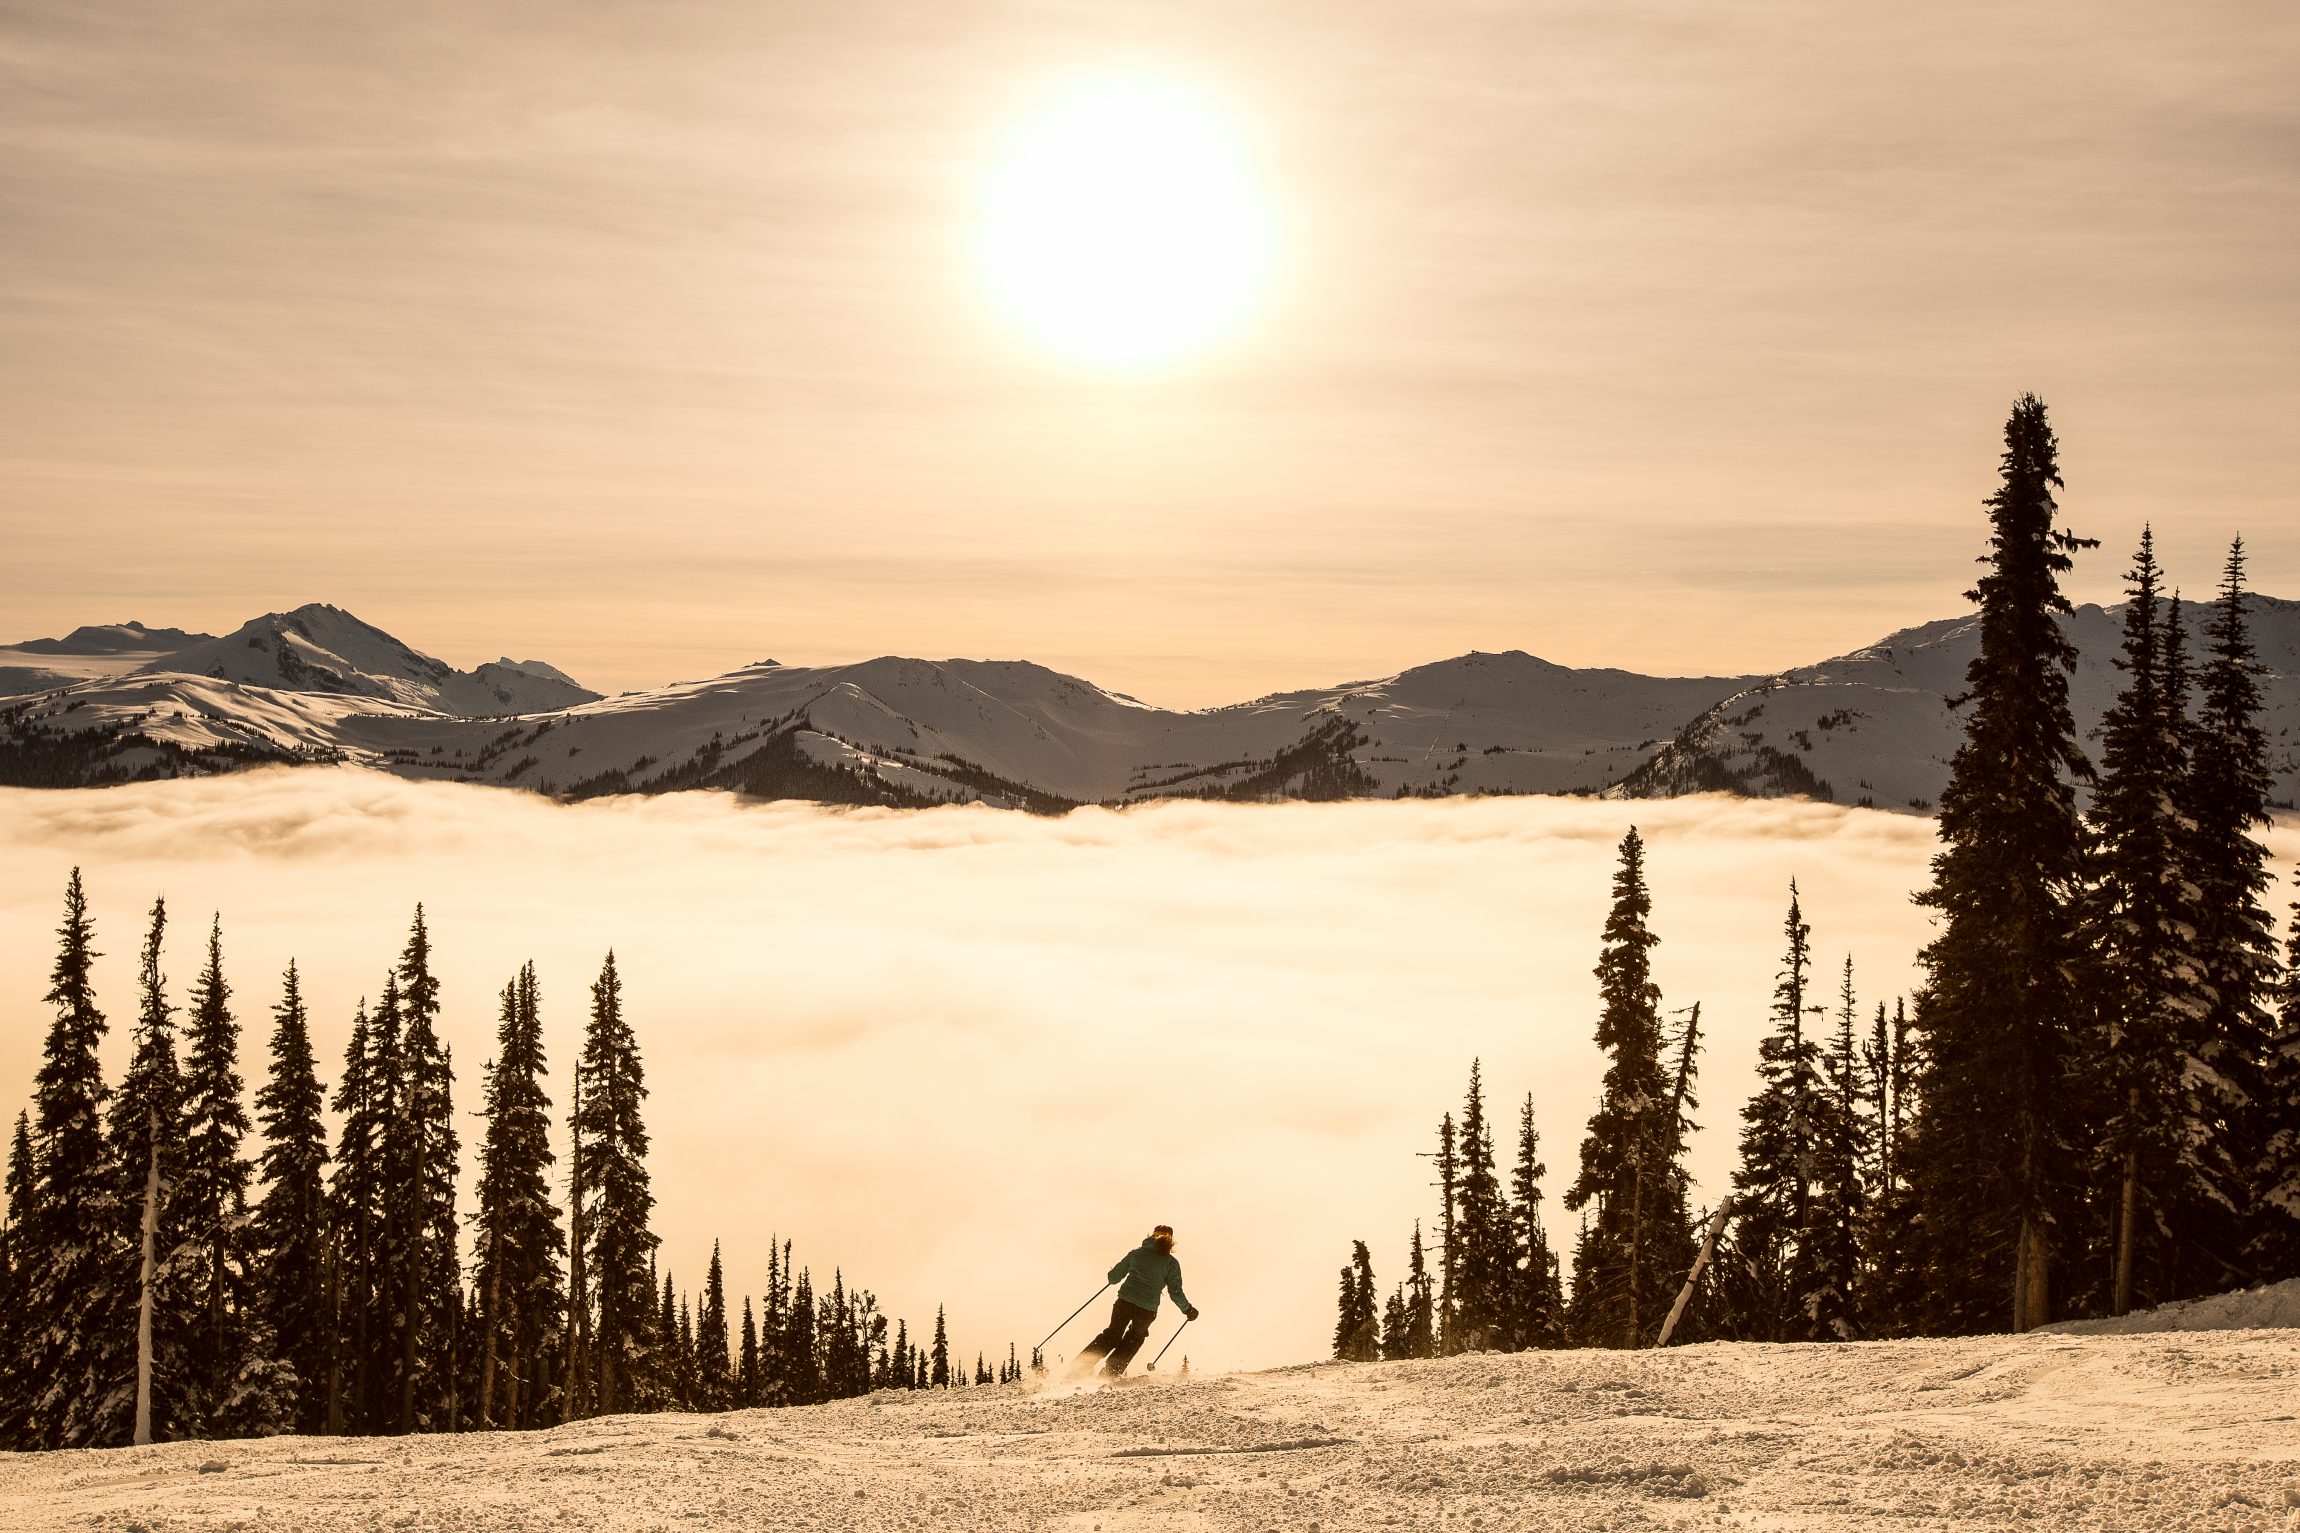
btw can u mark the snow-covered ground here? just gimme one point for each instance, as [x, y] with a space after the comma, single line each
[2169, 1431]
[2275, 1304]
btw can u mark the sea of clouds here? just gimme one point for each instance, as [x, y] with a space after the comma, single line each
[969, 1056]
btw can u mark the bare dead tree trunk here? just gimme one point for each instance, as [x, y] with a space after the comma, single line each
[1700, 1265]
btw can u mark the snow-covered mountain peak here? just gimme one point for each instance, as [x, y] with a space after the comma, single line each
[322, 648]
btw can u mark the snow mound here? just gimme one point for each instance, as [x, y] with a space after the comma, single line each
[2064, 1432]
[2274, 1307]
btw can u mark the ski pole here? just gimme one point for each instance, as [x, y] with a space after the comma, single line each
[1073, 1315]
[1162, 1351]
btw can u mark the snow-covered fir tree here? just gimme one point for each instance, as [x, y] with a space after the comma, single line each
[150, 1388]
[1537, 1301]
[619, 1245]
[291, 1225]
[518, 1276]
[423, 1268]
[1769, 1271]
[365, 1102]
[1994, 1160]
[73, 1272]
[2147, 985]
[1482, 1274]
[711, 1342]
[1839, 1209]
[1639, 1245]
[2228, 799]
[240, 1387]
[938, 1362]
[1357, 1329]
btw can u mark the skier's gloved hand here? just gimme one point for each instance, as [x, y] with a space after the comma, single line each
[1193, 1314]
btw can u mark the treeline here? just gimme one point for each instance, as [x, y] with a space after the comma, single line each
[2091, 1104]
[171, 1267]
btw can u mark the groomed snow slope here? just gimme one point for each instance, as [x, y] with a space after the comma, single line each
[2163, 1432]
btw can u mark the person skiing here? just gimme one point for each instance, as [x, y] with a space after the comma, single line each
[1144, 1274]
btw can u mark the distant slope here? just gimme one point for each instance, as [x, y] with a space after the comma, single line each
[1872, 727]
[1875, 726]
[95, 650]
[319, 648]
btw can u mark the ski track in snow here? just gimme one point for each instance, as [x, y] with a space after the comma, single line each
[2170, 1431]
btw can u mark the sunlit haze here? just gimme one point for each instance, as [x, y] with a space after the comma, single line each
[965, 1054]
[1314, 341]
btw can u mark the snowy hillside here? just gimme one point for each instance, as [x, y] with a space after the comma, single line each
[1875, 727]
[86, 653]
[317, 684]
[318, 648]
[2167, 1432]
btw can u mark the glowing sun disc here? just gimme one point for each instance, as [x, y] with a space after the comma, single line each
[1123, 228]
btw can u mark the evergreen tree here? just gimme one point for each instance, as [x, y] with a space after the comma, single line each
[2279, 1255]
[1632, 1259]
[619, 1247]
[2142, 925]
[148, 1335]
[1992, 1162]
[1839, 1210]
[1771, 1268]
[233, 1374]
[1889, 1282]
[2229, 786]
[1449, 1240]
[15, 1269]
[1357, 1338]
[713, 1383]
[517, 1277]
[421, 1148]
[1537, 1305]
[365, 1103]
[1483, 1299]
[938, 1375]
[73, 1270]
[1421, 1302]
[291, 1229]
[747, 1370]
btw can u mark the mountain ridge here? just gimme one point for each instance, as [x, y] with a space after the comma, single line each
[1871, 727]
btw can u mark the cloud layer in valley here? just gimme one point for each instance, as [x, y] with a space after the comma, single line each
[970, 1055]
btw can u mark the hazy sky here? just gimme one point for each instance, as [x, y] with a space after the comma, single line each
[649, 338]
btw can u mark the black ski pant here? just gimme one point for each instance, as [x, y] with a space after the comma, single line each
[1129, 1327]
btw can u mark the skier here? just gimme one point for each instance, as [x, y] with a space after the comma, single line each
[1144, 1273]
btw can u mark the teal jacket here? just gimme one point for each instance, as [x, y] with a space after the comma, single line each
[1145, 1271]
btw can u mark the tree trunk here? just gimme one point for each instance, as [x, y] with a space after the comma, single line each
[2128, 1209]
[1700, 1265]
[144, 1299]
[489, 1322]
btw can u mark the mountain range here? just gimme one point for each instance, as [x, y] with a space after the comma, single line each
[1877, 726]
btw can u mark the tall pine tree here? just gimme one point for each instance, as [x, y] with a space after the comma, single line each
[517, 1274]
[1993, 1160]
[1537, 1304]
[2148, 986]
[2229, 787]
[1637, 1250]
[151, 1386]
[1771, 1270]
[291, 1227]
[424, 1270]
[1482, 1298]
[619, 1203]
[73, 1269]
[232, 1369]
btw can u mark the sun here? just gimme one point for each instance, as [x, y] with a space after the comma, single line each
[1123, 228]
